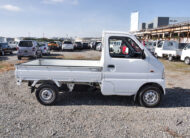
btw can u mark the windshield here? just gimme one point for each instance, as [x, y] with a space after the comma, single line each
[183, 45]
[42, 44]
[78, 43]
[3, 44]
[67, 42]
[160, 44]
[25, 44]
[52, 42]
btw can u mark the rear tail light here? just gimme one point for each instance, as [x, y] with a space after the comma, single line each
[33, 49]
[17, 48]
[44, 48]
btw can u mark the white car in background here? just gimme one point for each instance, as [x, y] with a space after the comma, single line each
[13, 44]
[44, 47]
[67, 45]
[169, 49]
[150, 45]
[185, 54]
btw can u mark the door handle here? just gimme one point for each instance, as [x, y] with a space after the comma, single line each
[111, 66]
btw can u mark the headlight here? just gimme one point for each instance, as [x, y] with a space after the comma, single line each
[163, 74]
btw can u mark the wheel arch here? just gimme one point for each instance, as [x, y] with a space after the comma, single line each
[52, 82]
[148, 84]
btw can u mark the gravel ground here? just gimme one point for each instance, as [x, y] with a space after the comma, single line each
[86, 113]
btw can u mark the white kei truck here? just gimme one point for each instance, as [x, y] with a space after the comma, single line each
[169, 49]
[185, 54]
[135, 72]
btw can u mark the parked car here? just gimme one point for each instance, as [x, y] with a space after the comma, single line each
[91, 45]
[85, 46]
[54, 45]
[99, 47]
[168, 49]
[78, 45]
[95, 44]
[5, 48]
[185, 55]
[150, 45]
[131, 73]
[13, 44]
[67, 45]
[44, 48]
[28, 48]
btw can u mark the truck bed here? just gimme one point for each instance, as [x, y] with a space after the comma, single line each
[60, 70]
[176, 52]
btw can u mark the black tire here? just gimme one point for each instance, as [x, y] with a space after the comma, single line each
[170, 58]
[40, 55]
[47, 94]
[11, 52]
[156, 55]
[187, 60]
[150, 91]
[19, 58]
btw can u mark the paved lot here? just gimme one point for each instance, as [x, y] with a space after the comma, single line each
[86, 113]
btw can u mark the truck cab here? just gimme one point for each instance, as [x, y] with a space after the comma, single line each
[130, 71]
[185, 55]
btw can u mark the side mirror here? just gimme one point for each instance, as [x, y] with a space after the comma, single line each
[143, 56]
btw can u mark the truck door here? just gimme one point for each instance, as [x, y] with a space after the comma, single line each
[124, 69]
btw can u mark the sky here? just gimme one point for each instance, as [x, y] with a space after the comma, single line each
[80, 18]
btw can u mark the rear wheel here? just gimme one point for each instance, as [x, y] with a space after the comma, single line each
[150, 96]
[47, 94]
[187, 60]
[170, 58]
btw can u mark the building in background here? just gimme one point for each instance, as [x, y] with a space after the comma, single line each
[134, 22]
[164, 21]
[143, 26]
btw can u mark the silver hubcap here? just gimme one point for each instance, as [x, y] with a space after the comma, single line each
[187, 61]
[151, 97]
[47, 95]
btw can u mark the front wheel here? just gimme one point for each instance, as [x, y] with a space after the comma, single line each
[150, 96]
[47, 94]
[187, 61]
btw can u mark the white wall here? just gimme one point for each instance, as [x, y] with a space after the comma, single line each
[134, 21]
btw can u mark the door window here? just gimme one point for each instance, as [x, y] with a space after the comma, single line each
[160, 44]
[124, 47]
